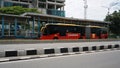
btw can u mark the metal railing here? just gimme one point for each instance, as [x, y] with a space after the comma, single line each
[56, 12]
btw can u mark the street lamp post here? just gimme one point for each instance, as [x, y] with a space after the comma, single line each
[85, 9]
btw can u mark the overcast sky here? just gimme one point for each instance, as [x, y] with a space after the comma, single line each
[95, 11]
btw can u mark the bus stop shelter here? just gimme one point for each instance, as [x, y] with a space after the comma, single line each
[28, 25]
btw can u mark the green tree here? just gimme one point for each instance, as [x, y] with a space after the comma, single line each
[114, 18]
[17, 10]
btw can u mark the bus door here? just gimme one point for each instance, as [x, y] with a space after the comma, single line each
[82, 32]
[95, 33]
[62, 33]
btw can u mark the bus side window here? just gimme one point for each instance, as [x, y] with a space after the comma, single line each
[104, 31]
[63, 33]
[55, 30]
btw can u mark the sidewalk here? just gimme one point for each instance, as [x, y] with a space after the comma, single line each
[33, 41]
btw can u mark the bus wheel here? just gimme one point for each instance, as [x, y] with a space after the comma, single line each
[55, 38]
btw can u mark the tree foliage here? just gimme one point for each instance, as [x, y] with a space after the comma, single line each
[17, 10]
[114, 18]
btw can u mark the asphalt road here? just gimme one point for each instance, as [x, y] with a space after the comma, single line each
[107, 59]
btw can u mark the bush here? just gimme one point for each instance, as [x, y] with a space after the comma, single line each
[17, 10]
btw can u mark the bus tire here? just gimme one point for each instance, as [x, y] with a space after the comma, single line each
[55, 38]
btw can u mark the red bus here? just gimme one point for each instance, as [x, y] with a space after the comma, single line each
[71, 31]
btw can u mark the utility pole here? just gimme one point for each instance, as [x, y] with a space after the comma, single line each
[111, 5]
[85, 9]
[108, 9]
